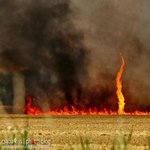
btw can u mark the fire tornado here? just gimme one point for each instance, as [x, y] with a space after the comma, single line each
[121, 102]
[30, 110]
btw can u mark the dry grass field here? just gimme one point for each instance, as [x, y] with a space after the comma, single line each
[65, 131]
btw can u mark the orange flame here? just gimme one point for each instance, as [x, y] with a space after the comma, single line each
[120, 96]
[66, 111]
[121, 103]
[35, 111]
[120, 33]
[17, 104]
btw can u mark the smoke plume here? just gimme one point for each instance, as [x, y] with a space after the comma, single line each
[67, 52]
[110, 28]
[39, 41]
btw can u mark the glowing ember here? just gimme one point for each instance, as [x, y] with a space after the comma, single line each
[121, 99]
[120, 33]
[17, 104]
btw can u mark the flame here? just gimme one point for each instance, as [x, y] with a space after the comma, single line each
[66, 111]
[120, 33]
[120, 96]
[121, 103]
[35, 111]
[17, 104]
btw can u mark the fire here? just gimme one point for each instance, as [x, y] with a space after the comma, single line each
[120, 33]
[34, 111]
[17, 104]
[121, 103]
[66, 111]
[121, 98]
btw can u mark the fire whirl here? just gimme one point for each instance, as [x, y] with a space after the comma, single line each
[121, 98]
[121, 104]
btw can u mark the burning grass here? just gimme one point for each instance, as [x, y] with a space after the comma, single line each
[73, 111]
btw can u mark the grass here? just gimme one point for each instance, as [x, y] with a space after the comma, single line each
[121, 144]
[18, 136]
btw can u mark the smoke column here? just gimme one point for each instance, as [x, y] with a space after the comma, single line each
[67, 52]
[102, 22]
[40, 43]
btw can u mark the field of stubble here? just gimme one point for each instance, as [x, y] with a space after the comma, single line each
[65, 131]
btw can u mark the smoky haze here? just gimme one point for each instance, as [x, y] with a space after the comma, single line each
[67, 52]
[40, 45]
[110, 28]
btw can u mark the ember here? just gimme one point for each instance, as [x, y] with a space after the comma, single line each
[18, 105]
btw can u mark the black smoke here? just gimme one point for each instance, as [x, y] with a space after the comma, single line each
[68, 51]
[39, 40]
